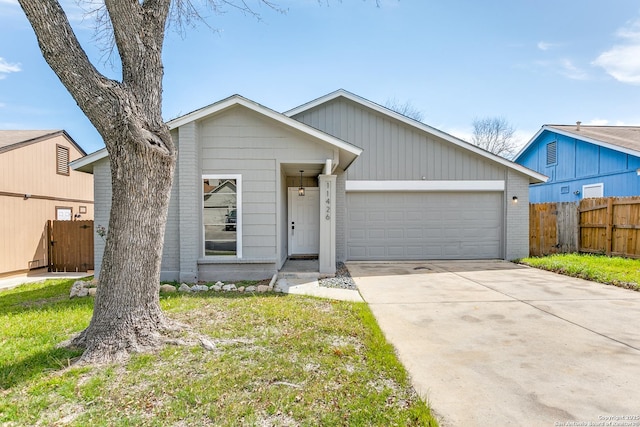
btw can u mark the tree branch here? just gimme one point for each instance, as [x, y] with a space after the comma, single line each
[62, 51]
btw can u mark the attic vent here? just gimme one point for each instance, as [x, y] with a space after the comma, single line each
[552, 152]
[62, 160]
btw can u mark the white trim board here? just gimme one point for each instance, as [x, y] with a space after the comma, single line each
[496, 185]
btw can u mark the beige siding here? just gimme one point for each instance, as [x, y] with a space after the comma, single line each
[395, 151]
[31, 170]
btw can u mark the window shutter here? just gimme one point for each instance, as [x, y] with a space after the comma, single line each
[62, 160]
[552, 153]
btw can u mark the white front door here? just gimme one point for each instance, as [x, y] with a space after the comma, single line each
[304, 221]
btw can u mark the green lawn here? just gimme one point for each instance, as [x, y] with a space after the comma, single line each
[279, 361]
[616, 271]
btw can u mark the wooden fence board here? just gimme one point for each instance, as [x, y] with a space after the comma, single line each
[608, 226]
[552, 228]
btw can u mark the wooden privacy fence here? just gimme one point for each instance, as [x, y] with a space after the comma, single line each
[70, 245]
[608, 226]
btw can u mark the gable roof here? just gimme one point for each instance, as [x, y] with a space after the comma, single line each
[534, 177]
[352, 152]
[625, 139]
[14, 139]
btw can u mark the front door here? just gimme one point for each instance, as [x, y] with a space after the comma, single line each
[304, 221]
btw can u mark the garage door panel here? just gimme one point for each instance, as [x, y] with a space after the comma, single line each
[395, 233]
[388, 226]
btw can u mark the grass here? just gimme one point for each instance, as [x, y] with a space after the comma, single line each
[280, 360]
[623, 272]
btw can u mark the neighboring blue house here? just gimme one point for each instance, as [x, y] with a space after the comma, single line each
[583, 162]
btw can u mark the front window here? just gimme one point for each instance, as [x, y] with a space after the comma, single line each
[221, 215]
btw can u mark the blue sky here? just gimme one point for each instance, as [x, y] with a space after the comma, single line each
[531, 62]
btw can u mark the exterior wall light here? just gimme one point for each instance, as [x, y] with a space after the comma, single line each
[301, 188]
[515, 199]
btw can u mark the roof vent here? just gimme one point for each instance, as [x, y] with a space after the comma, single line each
[578, 123]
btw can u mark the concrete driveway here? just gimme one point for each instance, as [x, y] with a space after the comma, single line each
[491, 343]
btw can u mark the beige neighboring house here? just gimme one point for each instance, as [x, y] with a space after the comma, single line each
[37, 185]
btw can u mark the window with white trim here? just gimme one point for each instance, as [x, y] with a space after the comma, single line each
[63, 213]
[222, 215]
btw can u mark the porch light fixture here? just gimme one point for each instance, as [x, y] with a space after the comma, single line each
[515, 199]
[301, 188]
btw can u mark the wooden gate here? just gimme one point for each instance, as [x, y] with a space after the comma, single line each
[553, 228]
[70, 245]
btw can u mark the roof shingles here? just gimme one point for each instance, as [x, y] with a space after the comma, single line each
[622, 136]
[13, 137]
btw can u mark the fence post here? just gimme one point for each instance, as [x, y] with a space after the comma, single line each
[609, 234]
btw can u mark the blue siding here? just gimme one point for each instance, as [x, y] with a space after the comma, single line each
[579, 163]
[588, 163]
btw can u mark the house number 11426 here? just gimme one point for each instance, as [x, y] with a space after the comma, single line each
[328, 202]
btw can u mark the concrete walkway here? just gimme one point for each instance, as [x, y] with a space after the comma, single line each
[491, 343]
[300, 277]
[15, 281]
[300, 285]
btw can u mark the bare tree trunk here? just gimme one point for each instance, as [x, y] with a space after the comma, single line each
[127, 316]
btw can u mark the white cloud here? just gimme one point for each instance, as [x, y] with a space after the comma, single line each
[622, 61]
[6, 68]
[597, 122]
[544, 45]
[569, 70]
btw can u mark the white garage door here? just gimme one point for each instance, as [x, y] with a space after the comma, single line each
[404, 226]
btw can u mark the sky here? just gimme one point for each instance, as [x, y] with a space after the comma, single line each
[531, 62]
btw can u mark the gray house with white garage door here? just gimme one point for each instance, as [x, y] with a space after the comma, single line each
[340, 178]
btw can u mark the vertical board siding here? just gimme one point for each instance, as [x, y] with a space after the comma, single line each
[239, 141]
[579, 163]
[394, 150]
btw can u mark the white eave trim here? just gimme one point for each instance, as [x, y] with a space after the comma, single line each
[83, 164]
[426, 128]
[496, 185]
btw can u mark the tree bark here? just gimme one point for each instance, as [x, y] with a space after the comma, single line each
[127, 316]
